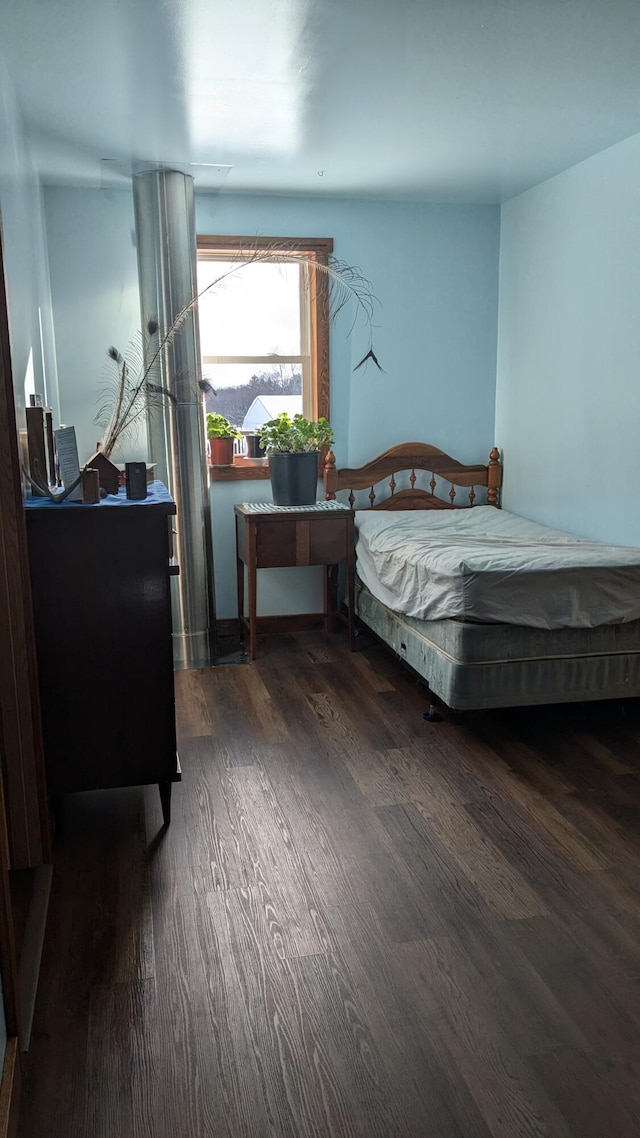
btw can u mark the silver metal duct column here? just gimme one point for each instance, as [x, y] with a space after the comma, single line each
[165, 230]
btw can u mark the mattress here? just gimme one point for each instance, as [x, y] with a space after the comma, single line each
[474, 666]
[487, 565]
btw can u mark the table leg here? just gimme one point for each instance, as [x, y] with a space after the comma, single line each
[351, 599]
[330, 598]
[240, 588]
[253, 608]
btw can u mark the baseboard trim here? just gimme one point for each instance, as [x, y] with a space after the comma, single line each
[288, 622]
[230, 626]
[10, 1089]
[291, 622]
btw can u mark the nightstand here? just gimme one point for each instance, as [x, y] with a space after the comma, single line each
[269, 537]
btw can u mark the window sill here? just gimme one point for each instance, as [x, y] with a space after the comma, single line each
[241, 470]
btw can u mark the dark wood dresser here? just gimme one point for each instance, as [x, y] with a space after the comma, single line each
[102, 608]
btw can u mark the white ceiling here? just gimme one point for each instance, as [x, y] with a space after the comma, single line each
[462, 100]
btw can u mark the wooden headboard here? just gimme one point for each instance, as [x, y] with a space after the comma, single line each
[414, 457]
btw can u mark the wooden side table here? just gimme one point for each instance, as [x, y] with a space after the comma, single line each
[270, 537]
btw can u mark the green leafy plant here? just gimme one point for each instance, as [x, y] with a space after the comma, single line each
[220, 428]
[291, 436]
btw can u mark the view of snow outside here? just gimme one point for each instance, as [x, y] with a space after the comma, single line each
[250, 311]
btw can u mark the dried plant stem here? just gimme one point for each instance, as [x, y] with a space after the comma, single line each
[124, 403]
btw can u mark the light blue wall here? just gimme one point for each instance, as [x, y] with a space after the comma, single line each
[568, 380]
[94, 287]
[434, 269]
[25, 258]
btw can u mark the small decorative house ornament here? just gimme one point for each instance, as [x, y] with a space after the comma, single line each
[109, 474]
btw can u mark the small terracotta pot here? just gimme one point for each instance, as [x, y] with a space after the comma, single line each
[221, 451]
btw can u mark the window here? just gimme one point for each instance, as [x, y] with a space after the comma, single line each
[264, 327]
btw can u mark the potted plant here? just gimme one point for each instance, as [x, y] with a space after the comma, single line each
[221, 434]
[252, 441]
[293, 447]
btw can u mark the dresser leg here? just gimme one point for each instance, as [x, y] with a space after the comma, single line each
[165, 801]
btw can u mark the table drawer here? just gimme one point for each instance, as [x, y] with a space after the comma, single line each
[288, 542]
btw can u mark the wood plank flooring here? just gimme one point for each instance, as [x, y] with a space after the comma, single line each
[358, 923]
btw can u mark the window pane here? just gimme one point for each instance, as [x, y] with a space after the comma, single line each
[249, 394]
[252, 310]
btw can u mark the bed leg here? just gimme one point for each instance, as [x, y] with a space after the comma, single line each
[431, 716]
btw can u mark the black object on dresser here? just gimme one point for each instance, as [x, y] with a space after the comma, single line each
[102, 608]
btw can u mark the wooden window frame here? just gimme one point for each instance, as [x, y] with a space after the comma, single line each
[318, 249]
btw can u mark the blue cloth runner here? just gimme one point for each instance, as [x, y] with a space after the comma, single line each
[157, 494]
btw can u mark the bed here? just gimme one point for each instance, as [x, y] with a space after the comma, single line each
[489, 609]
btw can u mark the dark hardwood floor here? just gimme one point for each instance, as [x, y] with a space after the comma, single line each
[358, 923]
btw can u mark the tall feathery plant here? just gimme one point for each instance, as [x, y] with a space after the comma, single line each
[137, 384]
